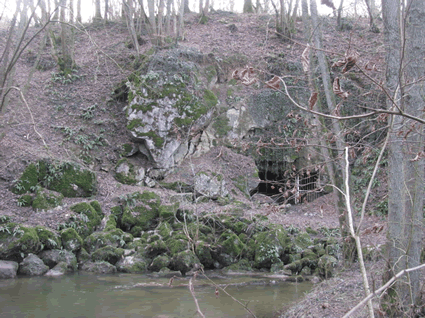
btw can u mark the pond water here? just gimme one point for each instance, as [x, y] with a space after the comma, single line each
[129, 295]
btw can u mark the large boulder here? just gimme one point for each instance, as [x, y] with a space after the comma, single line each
[136, 263]
[99, 267]
[17, 240]
[68, 178]
[185, 261]
[53, 257]
[32, 265]
[8, 269]
[210, 185]
[170, 106]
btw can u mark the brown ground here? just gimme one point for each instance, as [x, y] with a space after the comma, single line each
[56, 107]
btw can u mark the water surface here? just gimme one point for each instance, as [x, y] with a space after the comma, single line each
[130, 295]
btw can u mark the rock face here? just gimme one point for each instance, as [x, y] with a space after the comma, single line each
[32, 265]
[210, 185]
[8, 269]
[169, 107]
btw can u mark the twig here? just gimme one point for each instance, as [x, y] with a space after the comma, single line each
[355, 236]
[224, 291]
[381, 289]
[192, 291]
[32, 117]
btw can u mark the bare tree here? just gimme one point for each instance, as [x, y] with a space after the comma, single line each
[247, 6]
[98, 14]
[404, 81]
[79, 11]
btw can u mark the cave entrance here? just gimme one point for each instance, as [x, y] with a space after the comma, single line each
[282, 182]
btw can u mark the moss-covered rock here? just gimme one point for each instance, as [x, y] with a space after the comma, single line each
[28, 180]
[156, 248]
[32, 265]
[108, 254]
[159, 262]
[71, 241]
[142, 212]
[113, 237]
[99, 267]
[48, 238]
[53, 257]
[133, 264]
[177, 243]
[126, 172]
[89, 218]
[184, 261]
[167, 212]
[203, 251]
[232, 245]
[165, 230]
[165, 103]
[25, 200]
[326, 266]
[269, 246]
[68, 178]
[242, 265]
[16, 241]
[45, 199]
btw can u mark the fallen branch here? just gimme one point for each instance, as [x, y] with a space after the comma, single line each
[383, 288]
[192, 291]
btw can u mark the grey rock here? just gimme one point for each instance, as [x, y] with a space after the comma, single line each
[8, 269]
[32, 265]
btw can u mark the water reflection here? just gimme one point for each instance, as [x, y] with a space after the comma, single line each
[127, 295]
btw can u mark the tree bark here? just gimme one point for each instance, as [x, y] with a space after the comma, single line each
[79, 11]
[406, 166]
[247, 6]
[98, 14]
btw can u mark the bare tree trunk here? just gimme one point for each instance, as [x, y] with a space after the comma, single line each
[339, 16]
[129, 13]
[71, 11]
[98, 14]
[106, 10]
[206, 7]
[337, 158]
[406, 166]
[247, 6]
[79, 11]
[66, 58]
[152, 21]
[372, 25]
[186, 6]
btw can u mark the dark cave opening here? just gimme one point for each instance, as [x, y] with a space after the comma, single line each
[287, 185]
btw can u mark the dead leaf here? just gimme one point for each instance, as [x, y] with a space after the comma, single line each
[351, 60]
[274, 83]
[305, 60]
[337, 89]
[312, 100]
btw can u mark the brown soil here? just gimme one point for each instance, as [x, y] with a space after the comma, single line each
[54, 108]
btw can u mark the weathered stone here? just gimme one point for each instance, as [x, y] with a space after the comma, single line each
[17, 240]
[159, 262]
[46, 199]
[53, 257]
[32, 265]
[210, 185]
[99, 267]
[71, 241]
[132, 264]
[184, 262]
[326, 265]
[108, 254]
[60, 269]
[8, 269]
[163, 107]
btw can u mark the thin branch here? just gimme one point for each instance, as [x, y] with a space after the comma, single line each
[192, 291]
[224, 291]
[382, 289]
[354, 235]
[32, 117]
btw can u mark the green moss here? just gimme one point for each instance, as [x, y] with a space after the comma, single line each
[108, 254]
[232, 245]
[176, 244]
[125, 177]
[167, 212]
[17, 241]
[210, 99]
[25, 200]
[70, 179]
[96, 205]
[221, 125]
[159, 262]
[158, 141]
[91, 220]
[49, 239]
[71, 240]
[210, 72]
[165, 230]
[134, 123]
[203, 251]
[27, 181]
[45, 200]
